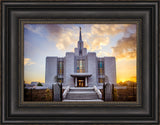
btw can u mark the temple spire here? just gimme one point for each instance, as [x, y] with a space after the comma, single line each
[80, 36]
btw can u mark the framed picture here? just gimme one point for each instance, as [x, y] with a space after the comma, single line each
[80, 62]
[80, 76]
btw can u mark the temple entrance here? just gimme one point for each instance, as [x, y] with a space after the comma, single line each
[81, 82]
[81, 79]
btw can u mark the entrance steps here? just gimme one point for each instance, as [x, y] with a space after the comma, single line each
[78, 94]
[81, 89]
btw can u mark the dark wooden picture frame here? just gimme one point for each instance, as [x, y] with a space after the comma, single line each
[14, 110]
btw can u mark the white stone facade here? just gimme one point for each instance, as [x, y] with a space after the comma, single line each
[92, 68]
[68, 69]
[51, 69]
[80, 69]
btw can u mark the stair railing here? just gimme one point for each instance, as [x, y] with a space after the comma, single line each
[65, 92]
[98, 92]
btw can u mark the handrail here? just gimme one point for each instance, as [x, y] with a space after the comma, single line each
[65, 92]
[98, 92]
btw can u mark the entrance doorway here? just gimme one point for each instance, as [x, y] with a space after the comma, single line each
[80, 82]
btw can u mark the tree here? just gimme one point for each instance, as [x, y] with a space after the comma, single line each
[39, 84]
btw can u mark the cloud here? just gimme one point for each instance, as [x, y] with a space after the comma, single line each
[54, 31]
[103, 53]
[66, 36]
[112, 29]
[50, 31]
[133, 78]
[126, 47]
[99, 42]
[100, 34]
[35, 28]
[66, 41]
[53, 28]
[86, 45]
[63, 37]
[27, 61]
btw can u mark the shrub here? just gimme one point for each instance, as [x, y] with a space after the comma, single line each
[115, 96]
[48, 95]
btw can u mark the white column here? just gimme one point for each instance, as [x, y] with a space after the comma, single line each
[86, 81]
[76, 81]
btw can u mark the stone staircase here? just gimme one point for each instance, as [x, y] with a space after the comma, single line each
[79, 94]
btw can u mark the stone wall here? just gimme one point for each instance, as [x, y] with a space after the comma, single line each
[108, 92]
[127, 94]
[57, 92]
[51, 70]
[37, 94]
[110, 68]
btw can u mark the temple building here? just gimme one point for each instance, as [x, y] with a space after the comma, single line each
[80, 68]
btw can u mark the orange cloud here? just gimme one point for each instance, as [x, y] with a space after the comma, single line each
[126, 47]
[86, 45]
[27, 61]
[103, 53]
[133, 78]
[97, 37]
[66, 41]
[98, 42]
[111, 29]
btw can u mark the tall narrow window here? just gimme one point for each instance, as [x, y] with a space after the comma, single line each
[80, 66]
[60, 67]
[100, 67]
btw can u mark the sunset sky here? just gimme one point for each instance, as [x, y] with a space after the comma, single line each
[42, 40]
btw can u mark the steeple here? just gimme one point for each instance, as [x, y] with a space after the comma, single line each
[80, 50]
[80, 36]
[80, 42]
